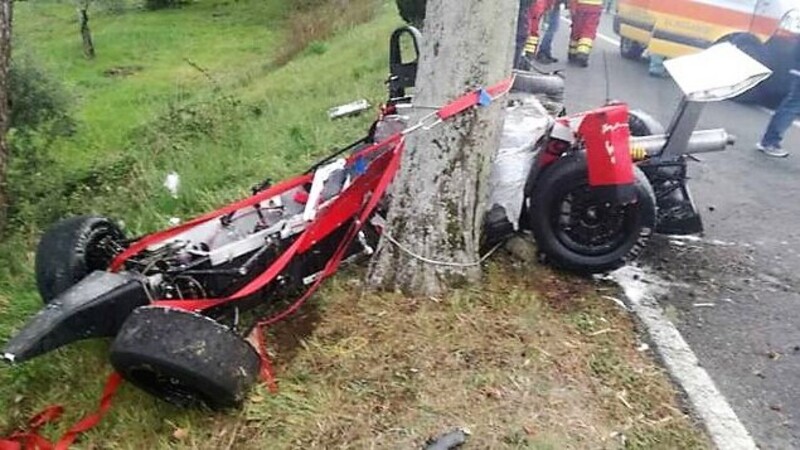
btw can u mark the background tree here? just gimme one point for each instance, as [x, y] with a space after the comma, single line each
[86, 32]
[5, 62]
[440, 193]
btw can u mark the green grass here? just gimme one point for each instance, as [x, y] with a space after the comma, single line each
[345, 363]
[227, 40]
[256, 121]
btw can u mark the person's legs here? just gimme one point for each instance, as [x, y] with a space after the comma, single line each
[522, 30]
[783, 118]
[575, 35]
[553, 23]
[584, 26]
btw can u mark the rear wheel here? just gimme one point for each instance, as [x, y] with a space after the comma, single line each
[630, 49]
[72, 249]
[184, 358]
[578, 228]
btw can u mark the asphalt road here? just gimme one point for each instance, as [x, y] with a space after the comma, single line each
[736, 297]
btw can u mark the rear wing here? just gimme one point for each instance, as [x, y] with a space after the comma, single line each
[719, 73]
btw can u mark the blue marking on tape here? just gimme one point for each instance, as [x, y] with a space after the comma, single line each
[484, 99]
[360, 166]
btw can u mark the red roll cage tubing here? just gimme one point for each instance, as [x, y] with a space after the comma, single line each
[376, 185]
[370, 185]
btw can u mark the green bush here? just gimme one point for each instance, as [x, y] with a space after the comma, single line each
[40, 114]
[37, 99]
[412, 11]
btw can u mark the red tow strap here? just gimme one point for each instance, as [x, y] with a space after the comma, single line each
[30, 439]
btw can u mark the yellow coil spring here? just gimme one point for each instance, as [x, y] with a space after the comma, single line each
[638, 153]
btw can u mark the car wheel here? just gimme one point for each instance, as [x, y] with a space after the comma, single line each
[630, 49]
[72, 249]
[184, 358]
[578, 229]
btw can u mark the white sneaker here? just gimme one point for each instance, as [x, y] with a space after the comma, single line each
[772, 150]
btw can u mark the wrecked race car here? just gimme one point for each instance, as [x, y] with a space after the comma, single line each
[174, 301]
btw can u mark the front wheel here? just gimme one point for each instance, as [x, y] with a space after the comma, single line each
[579, 229]
[184, 358]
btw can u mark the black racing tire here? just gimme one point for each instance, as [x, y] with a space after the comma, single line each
[184, 358]
[71, 249]
[630, 227]
[643, 124]
[630, 49]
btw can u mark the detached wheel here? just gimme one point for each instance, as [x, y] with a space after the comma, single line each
[578, 229]
[630, 49]
[184, 358]
[73, 248]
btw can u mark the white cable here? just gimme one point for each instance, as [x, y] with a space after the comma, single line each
[440, 263]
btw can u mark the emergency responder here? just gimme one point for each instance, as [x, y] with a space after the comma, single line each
[522, 32]
[536, 11]
[585, 20]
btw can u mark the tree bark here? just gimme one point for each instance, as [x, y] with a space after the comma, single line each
[439, 196]
[86, 33]
[5, 61]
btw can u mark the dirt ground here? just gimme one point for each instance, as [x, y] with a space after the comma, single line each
[530, 359]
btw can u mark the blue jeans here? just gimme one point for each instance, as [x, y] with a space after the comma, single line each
[784, 116]
[553, 22]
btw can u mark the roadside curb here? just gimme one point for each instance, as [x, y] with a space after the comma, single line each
[723, 425]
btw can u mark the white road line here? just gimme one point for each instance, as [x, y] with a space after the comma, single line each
[724, 427]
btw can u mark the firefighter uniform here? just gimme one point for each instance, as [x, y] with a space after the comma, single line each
[537, 10]
[522, 32]
[585, 20]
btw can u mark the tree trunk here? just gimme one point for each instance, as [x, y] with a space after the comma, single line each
[439, 196]
[5, 62]
[86, 33]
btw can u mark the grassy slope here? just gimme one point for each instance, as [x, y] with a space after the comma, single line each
[523, 370]
[225, 40]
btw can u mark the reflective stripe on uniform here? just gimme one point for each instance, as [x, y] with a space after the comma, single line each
[584, 46]
[531, 44]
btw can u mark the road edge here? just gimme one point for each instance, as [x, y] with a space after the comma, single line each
[709, 405]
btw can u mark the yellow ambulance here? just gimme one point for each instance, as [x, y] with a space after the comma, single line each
[766, 29]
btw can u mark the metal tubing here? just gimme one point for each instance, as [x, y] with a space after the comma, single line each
[705, 141]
